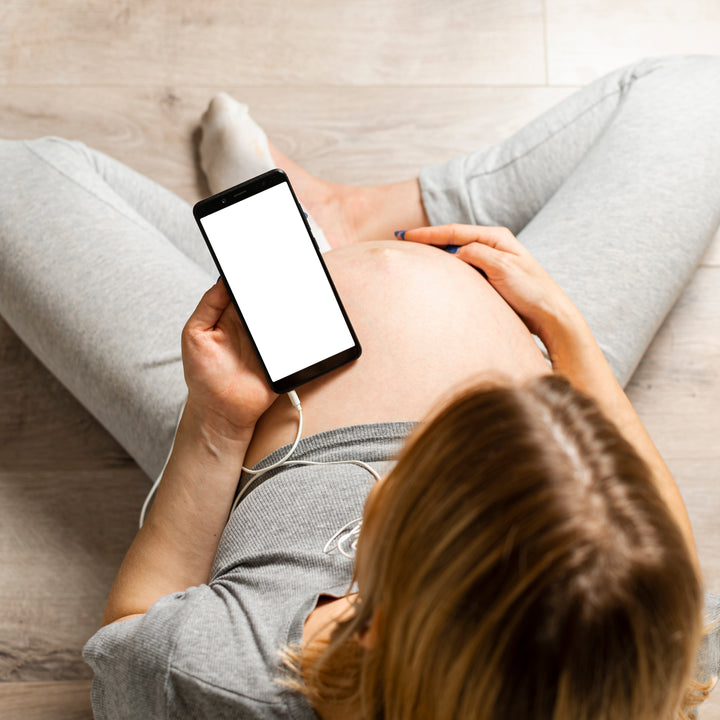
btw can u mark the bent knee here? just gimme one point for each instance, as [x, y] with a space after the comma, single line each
[24, 159]
[685, 75]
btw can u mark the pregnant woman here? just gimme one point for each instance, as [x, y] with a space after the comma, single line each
[512, 543]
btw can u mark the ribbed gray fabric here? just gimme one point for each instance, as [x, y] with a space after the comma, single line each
[211, 651]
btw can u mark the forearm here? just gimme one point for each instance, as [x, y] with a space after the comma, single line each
[176, 545]
[575, 353]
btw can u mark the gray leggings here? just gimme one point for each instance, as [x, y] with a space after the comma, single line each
[616, 191]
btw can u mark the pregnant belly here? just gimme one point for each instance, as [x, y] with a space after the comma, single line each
[427, 323]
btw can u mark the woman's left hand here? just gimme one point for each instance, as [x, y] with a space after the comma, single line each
[511, 270]
[226, 384]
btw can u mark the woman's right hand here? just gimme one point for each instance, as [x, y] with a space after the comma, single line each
[510, 268]
[226, 386]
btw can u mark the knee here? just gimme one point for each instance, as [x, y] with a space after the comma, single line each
[49, 150]
[42, 165]
[55, 147]
[33, 173]
[684, 75]
[701, 74]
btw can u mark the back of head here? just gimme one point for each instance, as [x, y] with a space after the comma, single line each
[519, 562]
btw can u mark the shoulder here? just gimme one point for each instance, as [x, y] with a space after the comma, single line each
[197, 653]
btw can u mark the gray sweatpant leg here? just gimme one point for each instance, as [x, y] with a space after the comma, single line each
[99, 270]
[616, 191]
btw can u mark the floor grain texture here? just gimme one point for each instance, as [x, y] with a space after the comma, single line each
[359, 91]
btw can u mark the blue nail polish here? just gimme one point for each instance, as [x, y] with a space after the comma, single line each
[400, 234]
[452, 248]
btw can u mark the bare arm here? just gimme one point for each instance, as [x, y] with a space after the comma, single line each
[176, 545]
[550, 314]
[575, 353]
[227, 393]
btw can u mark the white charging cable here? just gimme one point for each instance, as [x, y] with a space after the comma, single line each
[261, 471]
[362, 464]
[286, 461]
[295, 400]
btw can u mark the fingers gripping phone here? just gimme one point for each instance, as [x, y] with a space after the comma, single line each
[261, 243]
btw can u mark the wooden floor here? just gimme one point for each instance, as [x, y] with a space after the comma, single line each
[358, 92]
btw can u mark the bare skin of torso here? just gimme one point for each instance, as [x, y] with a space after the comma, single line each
[428, 323]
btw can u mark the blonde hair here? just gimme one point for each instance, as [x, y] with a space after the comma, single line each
[517, 562]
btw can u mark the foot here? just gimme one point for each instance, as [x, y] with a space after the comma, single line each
[355, 213]
[331, 205]
[234, 148]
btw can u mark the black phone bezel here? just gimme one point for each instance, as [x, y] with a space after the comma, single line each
[236, 194]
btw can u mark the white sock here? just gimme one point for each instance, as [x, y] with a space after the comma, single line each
[234, 148]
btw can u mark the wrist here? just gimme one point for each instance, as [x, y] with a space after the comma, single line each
[215, 428]
[563, 328]
[575, 353]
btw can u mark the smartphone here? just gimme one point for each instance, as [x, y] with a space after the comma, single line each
[261, 242]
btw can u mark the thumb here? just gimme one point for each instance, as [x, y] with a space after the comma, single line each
[210, 308]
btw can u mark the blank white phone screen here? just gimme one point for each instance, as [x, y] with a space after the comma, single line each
[274, 273]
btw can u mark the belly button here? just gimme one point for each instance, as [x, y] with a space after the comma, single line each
[383, 252]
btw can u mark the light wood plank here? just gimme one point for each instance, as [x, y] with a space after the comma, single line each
[69, 700]
[63, 535]
[115, 42]
[148, 128]
[362, 135]
[373, 42]
[586, 39]
[710, 709]
[283, 43]
[698, 481]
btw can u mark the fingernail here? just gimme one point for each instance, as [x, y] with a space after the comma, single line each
[400, 234]
[452, 248]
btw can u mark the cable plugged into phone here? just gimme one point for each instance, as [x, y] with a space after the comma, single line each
[295, 400]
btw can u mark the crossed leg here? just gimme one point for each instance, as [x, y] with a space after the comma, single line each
[616, 191]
